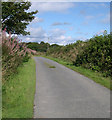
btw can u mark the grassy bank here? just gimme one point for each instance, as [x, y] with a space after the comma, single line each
[18, 92]
[95, 76]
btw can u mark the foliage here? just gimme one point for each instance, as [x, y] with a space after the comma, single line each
[42, 47]
[94, 53]
[15, 17]
[14, 53]
[68, 52]
[97, 55]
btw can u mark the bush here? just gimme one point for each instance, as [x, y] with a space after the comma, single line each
[94, 54]
[14, 53]
[26, 58]
[97, 55]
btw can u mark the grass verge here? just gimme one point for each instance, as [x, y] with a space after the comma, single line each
[95, 76]
[50, 66]
[18, 92]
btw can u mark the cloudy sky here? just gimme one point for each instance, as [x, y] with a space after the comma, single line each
[66, 22]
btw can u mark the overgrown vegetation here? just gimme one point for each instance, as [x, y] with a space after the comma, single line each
[94, 54]
[18, 69]
[68, 52]
[42, 47]
[15, 18]
[17, 79]
[14, 53]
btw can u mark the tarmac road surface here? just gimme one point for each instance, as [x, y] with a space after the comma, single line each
[63, 93]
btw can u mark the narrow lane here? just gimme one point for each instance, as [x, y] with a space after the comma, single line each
[63, 93]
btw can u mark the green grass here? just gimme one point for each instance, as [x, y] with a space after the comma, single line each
[48, 65]
[95, 76]
[18, 92]
[52, 67]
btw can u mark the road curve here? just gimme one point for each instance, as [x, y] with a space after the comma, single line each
[63, 93]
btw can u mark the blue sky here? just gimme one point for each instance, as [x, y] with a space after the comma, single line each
[66, 22]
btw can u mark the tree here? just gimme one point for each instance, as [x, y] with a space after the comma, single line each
[105, 32]
[15, 17]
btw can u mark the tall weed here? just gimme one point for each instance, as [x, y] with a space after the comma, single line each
[14, 53]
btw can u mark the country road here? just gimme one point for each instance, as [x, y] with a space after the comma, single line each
[63, 93]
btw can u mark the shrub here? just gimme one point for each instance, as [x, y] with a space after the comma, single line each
[97, 55]
[14, 53]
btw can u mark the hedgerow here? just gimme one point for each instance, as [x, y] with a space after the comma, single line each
[94, 53]
[97, 55]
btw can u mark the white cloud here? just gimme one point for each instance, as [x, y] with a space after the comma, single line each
[56, 32]
[97, 4]
[61, 40]
[36, 19]
[37, 32]
[59, 23]
[57, 36]
[50, 6]
[36, 35]
[53, 36]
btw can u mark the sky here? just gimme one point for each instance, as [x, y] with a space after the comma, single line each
[66, 22]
